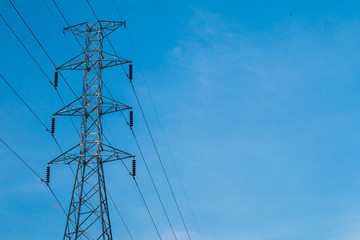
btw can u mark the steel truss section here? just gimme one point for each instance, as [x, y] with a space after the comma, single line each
[108, 153]
[79, 63]
[108, 106]
[88, 216]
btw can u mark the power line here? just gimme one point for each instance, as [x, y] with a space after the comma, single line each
[52, 14]
[161, 163]
[153, 183]
[41, 179]
[115, 205]
[22, 100]
[164, 135]
[33, 171]
[153, 141]
[166, 141]
[50, 83]
[90, 122]
[158, 119]
[36, 37]
[56, 198]
[117, 8]
[32, 33]
[38, 65]
[39, 43]
[92, 9]
[60, 12]
[27, 105]
[148, 171]
[57, 22]
[23, 161]
[147, 208]
[112, 46]
[144, 201]
[36, 116]
[36, 62]
[66, 21]
[47, 184]
[122, 219]
[161, 202]
[43, 50]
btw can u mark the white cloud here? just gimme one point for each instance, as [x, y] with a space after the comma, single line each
[295, 67]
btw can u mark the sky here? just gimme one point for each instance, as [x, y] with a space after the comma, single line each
[258, 101]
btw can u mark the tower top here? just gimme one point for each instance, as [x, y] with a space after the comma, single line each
[85, 28]
[94, 33]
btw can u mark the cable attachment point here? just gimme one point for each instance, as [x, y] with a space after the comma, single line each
[56, 79]
[48, 174]
[131, 121]
[53, 125]
[130, 72]
[133, 168]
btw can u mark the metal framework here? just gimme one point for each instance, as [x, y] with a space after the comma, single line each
[88, 215]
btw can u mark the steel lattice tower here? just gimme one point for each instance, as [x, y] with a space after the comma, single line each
[88, 215]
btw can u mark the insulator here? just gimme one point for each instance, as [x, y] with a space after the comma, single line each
[133, 167]
[56, 79]
[130, 72]
[47, 174]
[131, 122]
[52, 125]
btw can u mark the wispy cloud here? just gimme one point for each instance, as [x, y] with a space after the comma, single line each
[268, 99]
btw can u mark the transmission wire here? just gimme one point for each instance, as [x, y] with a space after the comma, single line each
[115, 205]
[52, 14]
[163, 132]
[22, 100]
[146, 165]
[51, 84]
[39, 66]
[42, 70]
[104, 136]
[163, 207]
[147, 207]
[57, 143]
[60, 12]
[161, 127]
[161, 163]
[33, 171]
[36, 116]
[42, 180]
[37, 40]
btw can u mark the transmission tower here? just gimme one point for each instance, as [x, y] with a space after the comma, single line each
[88, 215]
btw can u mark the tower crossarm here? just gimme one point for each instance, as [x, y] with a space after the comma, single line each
[69, 157]
[108, 105]
[108, 153]
[79, 62]
[111, 154]
[106, 27]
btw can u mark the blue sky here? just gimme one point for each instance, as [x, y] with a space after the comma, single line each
[258, 100]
